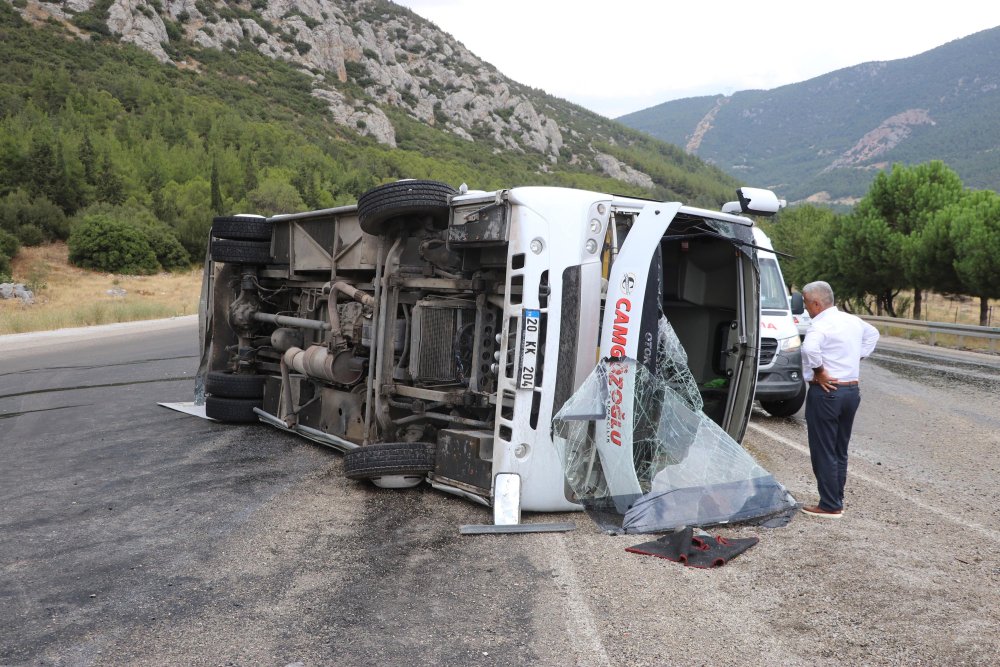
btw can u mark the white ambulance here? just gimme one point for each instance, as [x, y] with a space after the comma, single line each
[781, 389]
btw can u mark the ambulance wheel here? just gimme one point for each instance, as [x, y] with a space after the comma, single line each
[787, 407]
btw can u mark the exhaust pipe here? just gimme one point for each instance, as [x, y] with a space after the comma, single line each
[318, 362]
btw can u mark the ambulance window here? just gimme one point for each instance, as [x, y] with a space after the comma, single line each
[772, 289]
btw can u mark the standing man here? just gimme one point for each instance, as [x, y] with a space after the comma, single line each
[834, 346]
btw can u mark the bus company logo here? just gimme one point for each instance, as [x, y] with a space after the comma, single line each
[616, 417]
[619, 331]
[628, 283]
[618, 370]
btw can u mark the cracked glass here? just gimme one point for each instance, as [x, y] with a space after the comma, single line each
[641, 456]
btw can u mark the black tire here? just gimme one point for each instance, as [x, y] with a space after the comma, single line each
[232, 251]
[787, 407]
[242, 227]
[225, 384]
[403, 203]
[232, 410]
[389, 458]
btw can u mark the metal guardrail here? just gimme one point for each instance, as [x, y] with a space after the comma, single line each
[962, 331]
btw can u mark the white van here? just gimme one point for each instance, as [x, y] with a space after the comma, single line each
[781, 389]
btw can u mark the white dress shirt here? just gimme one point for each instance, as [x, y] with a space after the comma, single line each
[837, 341]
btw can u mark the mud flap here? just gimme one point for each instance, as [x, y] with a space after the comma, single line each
[204, 327]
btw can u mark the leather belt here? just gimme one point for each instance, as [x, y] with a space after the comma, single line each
[849, 383]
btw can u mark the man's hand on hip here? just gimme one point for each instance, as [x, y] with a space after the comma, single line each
[823, 379]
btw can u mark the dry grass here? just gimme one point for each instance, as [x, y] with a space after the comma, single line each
[949, 309]
[66, 296]
[954, 309]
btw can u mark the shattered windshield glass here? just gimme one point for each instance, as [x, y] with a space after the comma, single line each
[637, 449]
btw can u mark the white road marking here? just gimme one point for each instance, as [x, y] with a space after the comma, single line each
[992, 534]
[580, 614]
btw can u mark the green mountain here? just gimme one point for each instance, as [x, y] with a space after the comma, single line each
[825, 138]
[180, 110]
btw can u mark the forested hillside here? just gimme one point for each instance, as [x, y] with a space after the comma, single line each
[917, 229]
[164, 138]
[826, 138]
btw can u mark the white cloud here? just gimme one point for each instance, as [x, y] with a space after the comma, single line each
[618, 57]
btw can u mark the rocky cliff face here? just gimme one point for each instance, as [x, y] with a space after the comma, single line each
[364, 56]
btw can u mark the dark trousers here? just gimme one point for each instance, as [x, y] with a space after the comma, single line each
[829, 419]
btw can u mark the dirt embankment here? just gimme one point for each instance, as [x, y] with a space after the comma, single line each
[68, 296]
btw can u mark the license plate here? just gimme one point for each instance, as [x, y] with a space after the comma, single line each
[528, 371]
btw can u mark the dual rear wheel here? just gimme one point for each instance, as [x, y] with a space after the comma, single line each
[241, 239]
[232, 398]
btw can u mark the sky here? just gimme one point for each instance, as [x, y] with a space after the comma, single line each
[615, 57]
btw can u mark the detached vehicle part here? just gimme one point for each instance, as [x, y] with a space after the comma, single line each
[432, 334]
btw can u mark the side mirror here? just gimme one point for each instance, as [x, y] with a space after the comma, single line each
[798, 305]
[757, 201]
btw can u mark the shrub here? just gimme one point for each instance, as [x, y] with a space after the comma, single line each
[163, 240]
[30, 235]
[355, 70]
[205, 8]
[168, 250]
[174, 31]
[33, 220]
[409, 98]
[89, 20]
[106, 244]
[9, 246]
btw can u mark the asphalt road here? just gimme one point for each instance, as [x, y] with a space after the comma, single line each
[135, 535]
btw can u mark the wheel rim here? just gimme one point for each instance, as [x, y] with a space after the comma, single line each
[397, 481]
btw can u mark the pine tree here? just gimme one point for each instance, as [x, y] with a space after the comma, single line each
[88, 159]
[110, 187]
[41, 167]
[217, 204]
